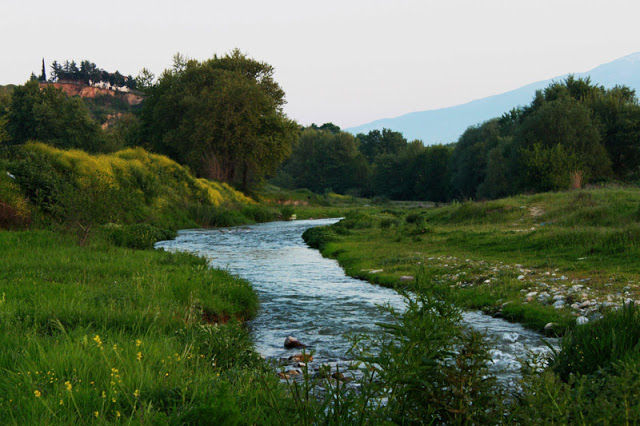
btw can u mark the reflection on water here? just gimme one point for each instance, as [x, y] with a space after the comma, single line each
[309, 297]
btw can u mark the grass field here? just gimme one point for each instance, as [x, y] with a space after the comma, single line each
[105, 334]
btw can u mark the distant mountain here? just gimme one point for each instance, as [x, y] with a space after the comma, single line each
[447, 124]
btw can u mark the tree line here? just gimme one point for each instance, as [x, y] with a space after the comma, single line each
[87, 72]
[222, 117]
[572, 133]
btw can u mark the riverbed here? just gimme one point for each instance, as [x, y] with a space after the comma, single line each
[305, 295]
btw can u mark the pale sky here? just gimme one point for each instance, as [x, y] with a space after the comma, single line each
[348, 62]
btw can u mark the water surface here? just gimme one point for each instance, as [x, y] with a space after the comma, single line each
[305, 295]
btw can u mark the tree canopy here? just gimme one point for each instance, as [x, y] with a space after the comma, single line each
[223, 117]
[48, 115]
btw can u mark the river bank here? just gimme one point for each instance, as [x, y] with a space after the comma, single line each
[549, 261]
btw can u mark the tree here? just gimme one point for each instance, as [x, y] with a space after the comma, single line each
[43, 75]
[567, 122]
[144, 80]
[49, 115]
[223, 117]
[378, 143]
[323, 160]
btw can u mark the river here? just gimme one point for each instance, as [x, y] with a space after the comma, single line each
[305, 295]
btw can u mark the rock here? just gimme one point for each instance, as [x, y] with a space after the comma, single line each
[559, 304]
[291, 342]
[406, 278]
[520, 277]
[301, 358]
[558, 297]
[532, 294]
[550, 326]
[585, 304]
[582, 320]
[575, 306]
[376, 271]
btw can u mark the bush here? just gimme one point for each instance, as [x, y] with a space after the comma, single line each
[138, 236]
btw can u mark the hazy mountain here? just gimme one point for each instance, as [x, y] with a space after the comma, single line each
[447, 124]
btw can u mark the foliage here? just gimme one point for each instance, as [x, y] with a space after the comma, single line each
[88, 72]
[82, 190]
[49, 115]
[325, 160]
[136, 236]
[222, 117]
[601, 344]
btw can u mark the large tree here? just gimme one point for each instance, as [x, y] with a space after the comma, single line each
[49, 115]
[223, 117]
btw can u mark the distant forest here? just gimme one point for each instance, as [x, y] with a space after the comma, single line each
[573, 133]
[87, 72]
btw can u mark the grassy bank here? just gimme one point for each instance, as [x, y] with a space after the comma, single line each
[106, 334]
[514, 257]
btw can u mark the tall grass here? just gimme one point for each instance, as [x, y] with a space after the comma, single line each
[107, 334]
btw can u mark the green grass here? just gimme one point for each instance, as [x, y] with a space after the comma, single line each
[589, 234]
[105, 334]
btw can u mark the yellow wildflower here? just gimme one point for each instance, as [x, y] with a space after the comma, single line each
[61, 402]
[139, 356]
[136, 393]
[98, 341]
[138, 342]
[68, 385]
[117, 413]
[96, 413]
[37, 393]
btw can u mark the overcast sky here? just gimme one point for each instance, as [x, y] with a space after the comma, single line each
[348, 61]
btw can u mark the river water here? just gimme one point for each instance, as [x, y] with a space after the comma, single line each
[305, 295]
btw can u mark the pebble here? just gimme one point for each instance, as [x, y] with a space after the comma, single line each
[582, 320]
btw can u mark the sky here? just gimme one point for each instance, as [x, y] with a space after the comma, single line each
[348, 62]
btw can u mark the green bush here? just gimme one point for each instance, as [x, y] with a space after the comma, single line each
[138, 236]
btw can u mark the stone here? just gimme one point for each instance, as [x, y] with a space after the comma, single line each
[532, 294]
[520, 277]
[575, 306]
[582, 320]
[585, 304]
[550, 326]
[291, 343]
[406, 278]
[559, 304]
[558, 297]
[301, 358]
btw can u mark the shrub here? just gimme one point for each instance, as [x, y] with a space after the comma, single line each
[138, 236]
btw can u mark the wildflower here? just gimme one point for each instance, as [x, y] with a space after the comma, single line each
[139, 356]
[113, 400]
[138, 342]
[68, 385]
[37, 393]
[61, 402]
[96, 413]
[104, 394]
[98, 341]
[117, 413]
[115, 347]
[136, 393]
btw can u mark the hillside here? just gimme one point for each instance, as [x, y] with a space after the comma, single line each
[447, 124]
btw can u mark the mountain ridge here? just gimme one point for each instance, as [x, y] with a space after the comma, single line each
[445, 125]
